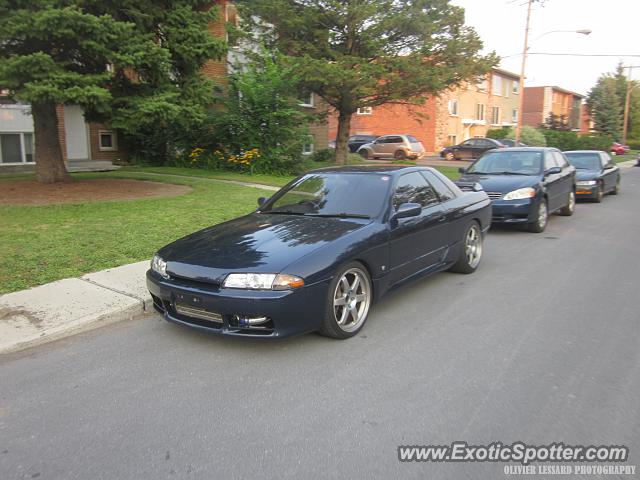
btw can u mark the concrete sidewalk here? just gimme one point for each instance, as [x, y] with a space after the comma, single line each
[69, 306]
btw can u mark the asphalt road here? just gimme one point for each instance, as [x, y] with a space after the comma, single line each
[541, 344]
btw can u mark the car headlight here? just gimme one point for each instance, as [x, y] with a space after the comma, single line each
[262, 281]
[159, 266]
[586, 183]
[520, 194]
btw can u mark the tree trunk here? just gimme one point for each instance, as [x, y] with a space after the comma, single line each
[49, 161]
[344, 127]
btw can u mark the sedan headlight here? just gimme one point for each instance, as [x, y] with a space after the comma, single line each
[262, 281]
[586, 183]
[159, 266]
[520, 194]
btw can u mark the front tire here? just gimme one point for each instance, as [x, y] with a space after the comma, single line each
[449, 156]
[616, 189]
[348, 303]
[400, 155]
[570, 207]
[471, 253]
[599, 194]
[364, 154]
[542, 217]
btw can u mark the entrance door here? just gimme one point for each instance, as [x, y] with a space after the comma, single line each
[75, 133]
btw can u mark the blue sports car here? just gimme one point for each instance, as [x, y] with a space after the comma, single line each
[320, 252]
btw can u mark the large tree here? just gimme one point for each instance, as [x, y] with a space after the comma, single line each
[136, 63]
[605, 106]
[363, 53]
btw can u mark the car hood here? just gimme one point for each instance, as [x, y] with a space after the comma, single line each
[501, 183]
[587, 174]
[257, 243]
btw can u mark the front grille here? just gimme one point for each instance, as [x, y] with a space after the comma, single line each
[198, 313]
[495, 195]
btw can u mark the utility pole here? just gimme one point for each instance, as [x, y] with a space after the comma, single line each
[627, 102]
[522, 72]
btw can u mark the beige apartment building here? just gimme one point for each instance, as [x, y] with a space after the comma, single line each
[471, 110]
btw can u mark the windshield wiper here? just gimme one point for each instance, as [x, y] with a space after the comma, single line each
[338, 215]
[509, 173]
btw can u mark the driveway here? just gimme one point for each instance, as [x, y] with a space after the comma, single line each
[540, 345]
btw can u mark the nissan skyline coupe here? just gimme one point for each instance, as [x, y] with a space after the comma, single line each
[318, 253]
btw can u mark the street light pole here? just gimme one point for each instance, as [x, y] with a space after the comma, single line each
[522, 71]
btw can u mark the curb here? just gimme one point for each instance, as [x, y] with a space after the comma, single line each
[73, 305]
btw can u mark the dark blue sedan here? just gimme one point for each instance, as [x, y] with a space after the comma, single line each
[596, 173]
[525, 184]
[316, 255]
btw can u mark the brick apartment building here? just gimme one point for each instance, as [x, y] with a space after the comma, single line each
[452, 117]
[541, 102]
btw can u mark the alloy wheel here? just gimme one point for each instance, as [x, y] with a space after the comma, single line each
[473, 246]
[543, 215]
[352, 299]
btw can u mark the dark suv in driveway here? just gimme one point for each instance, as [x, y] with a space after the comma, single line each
[525, 185]
[470, 149]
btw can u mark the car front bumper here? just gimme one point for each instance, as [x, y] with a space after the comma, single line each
[290, 312]
[513, 211]
[586, 191]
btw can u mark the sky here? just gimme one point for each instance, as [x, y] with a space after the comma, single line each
[615, 26]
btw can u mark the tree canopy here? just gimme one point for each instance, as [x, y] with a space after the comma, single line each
[134, 63]
[364, 53]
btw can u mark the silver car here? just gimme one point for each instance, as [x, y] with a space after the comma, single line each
[393, 146]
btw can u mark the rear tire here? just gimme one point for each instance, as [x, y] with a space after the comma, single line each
[542, 218]
[471, 252]
[349, 299]
[400, 155]
[449, 156]
[570, 207]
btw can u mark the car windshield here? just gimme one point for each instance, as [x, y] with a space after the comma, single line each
[509, 163]
[356, 195]
[584, 161]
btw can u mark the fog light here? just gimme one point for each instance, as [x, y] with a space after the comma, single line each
[246, 321]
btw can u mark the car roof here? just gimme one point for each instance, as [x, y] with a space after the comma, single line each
[584, 151]
[526, 149]
[384, 169]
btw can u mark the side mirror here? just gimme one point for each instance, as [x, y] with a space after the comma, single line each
[407, 210]
[262, 201]
[609, 166]
[477, 187]
[462, 170]
[553, 171]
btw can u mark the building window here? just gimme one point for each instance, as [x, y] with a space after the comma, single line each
[496, 85]
[453, 107]
[507, 87]
[480, 111]
[482, 85]
[107, 141]
[16, 148]
[495, 116]
[514, 115]
[308, 145]
[515, 87]
[307, 99]
[365, 111]
[452, 140]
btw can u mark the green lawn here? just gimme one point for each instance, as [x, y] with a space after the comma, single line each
[44, 243]
[632, 155]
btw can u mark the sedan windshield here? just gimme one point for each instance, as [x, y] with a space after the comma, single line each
[355, 195]
[584, 161]
[509, 163]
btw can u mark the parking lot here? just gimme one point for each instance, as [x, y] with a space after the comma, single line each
[540, 345]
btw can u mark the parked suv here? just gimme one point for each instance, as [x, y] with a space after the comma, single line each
[393, 146]
[525, 184]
